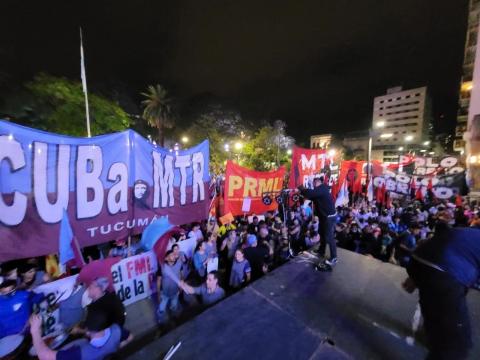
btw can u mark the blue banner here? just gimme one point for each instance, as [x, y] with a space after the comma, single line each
[111, 185]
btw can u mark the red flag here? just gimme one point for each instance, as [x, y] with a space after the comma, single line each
[379, 194]
[419, 194]
[430, 184]
[458, 200]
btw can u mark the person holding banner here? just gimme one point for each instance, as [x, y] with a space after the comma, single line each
[324, 208]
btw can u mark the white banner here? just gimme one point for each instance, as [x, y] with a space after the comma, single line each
[134, 277]
[187, 246]
[54, 292]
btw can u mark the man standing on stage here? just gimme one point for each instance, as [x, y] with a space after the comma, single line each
[324, 208]
[443, 269]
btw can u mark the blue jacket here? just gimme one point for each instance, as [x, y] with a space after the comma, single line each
[15, 309]
[456, 250]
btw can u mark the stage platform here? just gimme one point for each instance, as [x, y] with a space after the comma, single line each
[358, 311]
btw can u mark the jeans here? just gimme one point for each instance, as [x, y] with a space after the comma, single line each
[172, 301]
[326, 228]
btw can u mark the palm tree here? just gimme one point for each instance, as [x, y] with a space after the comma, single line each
[158, 110]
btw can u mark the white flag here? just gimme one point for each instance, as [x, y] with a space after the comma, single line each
[342, 197]
[370, 190]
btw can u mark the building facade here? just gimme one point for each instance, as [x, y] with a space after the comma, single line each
[401, 123]
[467, 75]
[356, 143]
[320, 141]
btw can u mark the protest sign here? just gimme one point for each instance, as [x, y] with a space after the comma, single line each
[227, 218]
[187, 246]
[54, 292]
[307, 163]
[134, 277]
[111, 185]
[242, 183]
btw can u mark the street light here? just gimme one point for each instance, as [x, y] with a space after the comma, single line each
[400, 148]
[426, 143]
[184, 139]
[409, 138]
[238, 146]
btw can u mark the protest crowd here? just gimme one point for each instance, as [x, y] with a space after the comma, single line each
[243, 250]
[73, 303]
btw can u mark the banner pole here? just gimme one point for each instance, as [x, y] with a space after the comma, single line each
[83, 75]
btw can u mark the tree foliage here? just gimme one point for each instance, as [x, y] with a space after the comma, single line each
[268, 147]
[58, 105]
[158, 110]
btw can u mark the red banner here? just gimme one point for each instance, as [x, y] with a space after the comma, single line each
[352, 172]
[306, 163]
[244, 189]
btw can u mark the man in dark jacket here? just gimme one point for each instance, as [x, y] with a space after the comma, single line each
[324, 208]
[443, 268]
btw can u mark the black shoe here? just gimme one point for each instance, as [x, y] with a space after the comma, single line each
[323, 267]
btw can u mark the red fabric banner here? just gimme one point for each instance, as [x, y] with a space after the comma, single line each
[305, 164]
[242, 183]
[352, 172]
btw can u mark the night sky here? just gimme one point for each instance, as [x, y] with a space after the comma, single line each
[315, 64]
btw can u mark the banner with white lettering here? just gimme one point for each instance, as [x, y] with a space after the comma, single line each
[444, 177]
[55, 292]
[134, 277]
[307, 163]
[111, 185]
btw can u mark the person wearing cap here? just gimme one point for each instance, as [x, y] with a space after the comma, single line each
[257, 256]
[443, 268]
[324, 208]
[101, 340]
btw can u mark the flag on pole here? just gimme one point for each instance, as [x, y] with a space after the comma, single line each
[342, 197]
[370, 190]
[67, 244]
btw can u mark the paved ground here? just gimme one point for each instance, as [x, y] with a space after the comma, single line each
[297, 313]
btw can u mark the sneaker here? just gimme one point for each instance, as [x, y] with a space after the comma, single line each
[331, 262]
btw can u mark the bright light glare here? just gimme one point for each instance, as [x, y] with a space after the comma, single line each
[409, 138]
[238, 146]
[380, 123]
[289, 152]
[400, 148]
[386, 136]
[185, 139]
[426, 143]
[332, 152]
